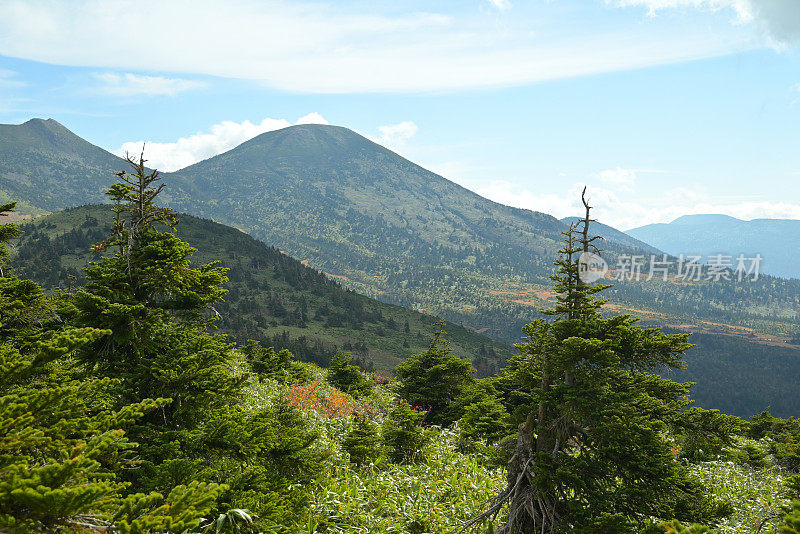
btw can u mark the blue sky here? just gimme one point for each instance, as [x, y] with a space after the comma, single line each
[663, 107]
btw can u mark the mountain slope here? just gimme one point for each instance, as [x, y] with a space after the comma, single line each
[327, 192]
[774, 239]
[272, 298]
[50, 168]
[401, 234]
[395, 231]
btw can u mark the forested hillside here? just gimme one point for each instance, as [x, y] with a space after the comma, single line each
[271, 297]
[400, 233]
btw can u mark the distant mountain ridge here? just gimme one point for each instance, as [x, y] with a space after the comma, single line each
[383, 225]
[708, 234]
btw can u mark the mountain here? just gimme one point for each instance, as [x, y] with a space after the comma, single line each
[613, 235]
[706, 235]
[49, 168]
[397, 232]
[271, 297]
[387, 228]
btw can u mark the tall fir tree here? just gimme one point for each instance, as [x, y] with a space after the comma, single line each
[591, 455]
[60, 446]
[156, 305]
[158, 308]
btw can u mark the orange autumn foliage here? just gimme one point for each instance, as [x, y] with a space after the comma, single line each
[327, 402]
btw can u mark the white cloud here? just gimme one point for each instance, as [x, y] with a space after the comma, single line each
[395, 136]
[312, 118]
[197, 147]
[778, 19]
[626, 213]
[128, 84]
[502, 5]
[323, 47]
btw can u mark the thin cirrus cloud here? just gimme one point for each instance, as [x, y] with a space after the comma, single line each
[172, 156]
[129, 85]
[335, 48]
[502, 5]
[8, 78]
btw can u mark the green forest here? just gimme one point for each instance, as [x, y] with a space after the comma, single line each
[124, 408]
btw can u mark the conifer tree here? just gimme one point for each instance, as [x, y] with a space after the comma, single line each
[591, 455]
[347, 377]
[402, 434]
[363, 442]
[157, 307]
[436, 379]
[59, 450]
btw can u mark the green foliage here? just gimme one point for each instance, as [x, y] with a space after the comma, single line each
[436, 380]
[675, 527]
[793, 486]
[593, 452]
[704, 434]
[60, 448]
[234, 520]
[278, 366]
[180, 511]
[784, 436]
[347, 377]
[750, 455]
[791, 523]
[402, 433]
[484, 420]
[268, 293]
[153, 302]
[363, 442]
[155, 305]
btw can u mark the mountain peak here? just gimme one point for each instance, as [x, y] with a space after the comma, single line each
[304, 134]
[48, 122]
[46, 125]
[700, 219]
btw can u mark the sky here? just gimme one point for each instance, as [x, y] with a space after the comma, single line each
[661, 107]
